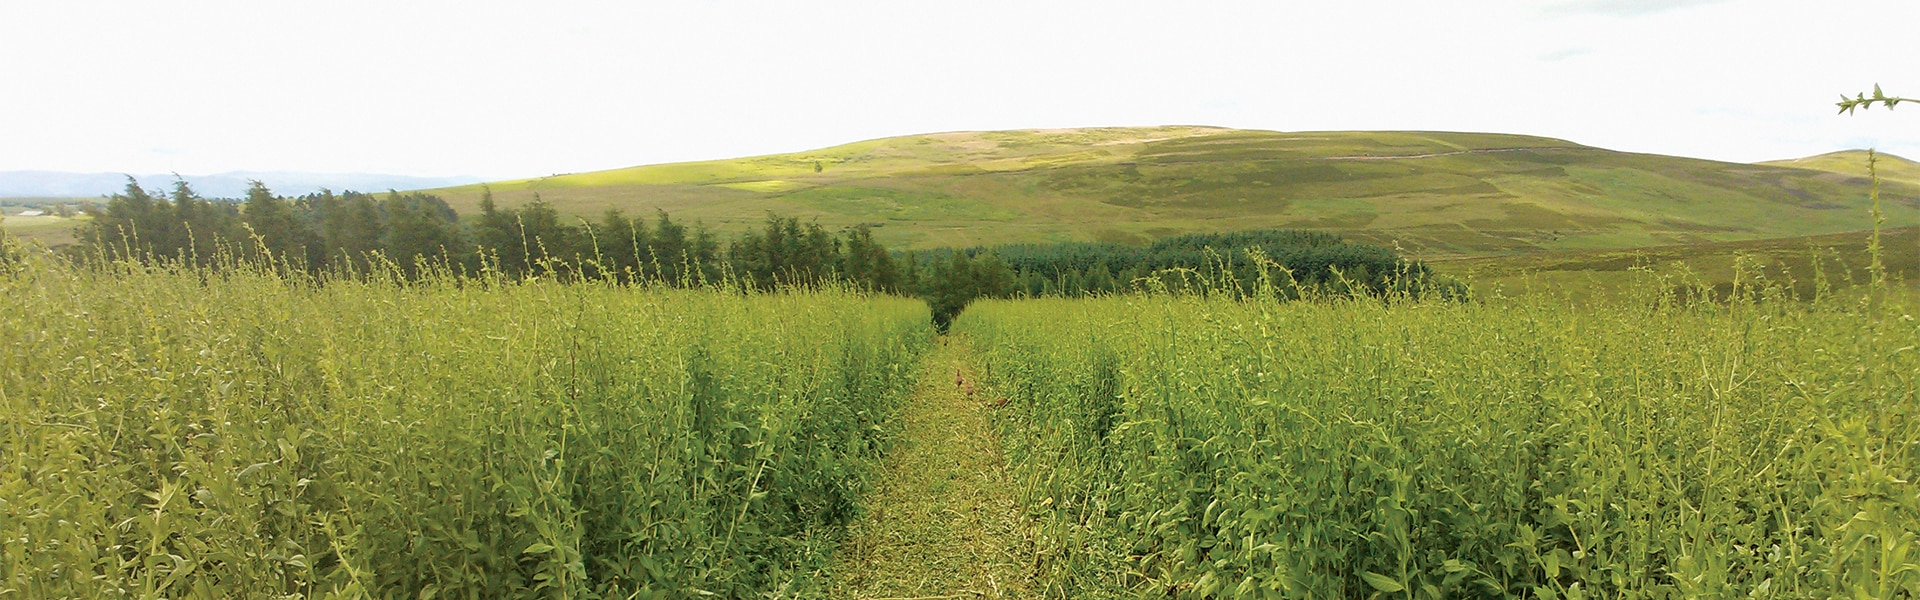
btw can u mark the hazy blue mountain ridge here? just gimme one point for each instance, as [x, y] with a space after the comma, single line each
[55, 184]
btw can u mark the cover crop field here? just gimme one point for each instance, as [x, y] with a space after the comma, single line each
[192, 434]
[228, 432]
[1202, 447]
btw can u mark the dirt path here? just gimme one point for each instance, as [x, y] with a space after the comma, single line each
[942, 521]
[1438, 154]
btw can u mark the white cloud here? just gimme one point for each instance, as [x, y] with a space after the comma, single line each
[1625, 8]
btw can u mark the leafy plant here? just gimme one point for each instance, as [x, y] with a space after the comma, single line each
[178, 431]
[1201, 446]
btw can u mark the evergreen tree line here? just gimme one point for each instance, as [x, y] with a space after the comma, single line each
[323, 232]
[354, 233]
[1287, 259]
[1287, 262]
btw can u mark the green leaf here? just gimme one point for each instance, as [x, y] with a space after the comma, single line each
[1382, 582]
[538, 548]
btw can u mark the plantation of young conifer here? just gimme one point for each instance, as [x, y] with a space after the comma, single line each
[1201, 447]
[191, 433]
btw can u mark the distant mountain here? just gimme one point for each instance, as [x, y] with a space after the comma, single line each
[53, 184]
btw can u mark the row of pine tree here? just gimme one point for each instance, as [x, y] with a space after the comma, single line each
[346, 234]
[351, 232]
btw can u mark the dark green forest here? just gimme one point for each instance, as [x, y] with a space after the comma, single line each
[1285, 263]
[413, 235]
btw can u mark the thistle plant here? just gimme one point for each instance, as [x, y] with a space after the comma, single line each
[1861, 100]
[1847, 106]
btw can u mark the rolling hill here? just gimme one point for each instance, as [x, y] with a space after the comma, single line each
[1854, 162]
[1436, 194]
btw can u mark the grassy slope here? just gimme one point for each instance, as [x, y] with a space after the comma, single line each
[1436, 194]
[1610, 271]
[1593, 273]
[1854, 163]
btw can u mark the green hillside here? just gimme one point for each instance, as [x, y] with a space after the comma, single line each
[1854, 162]
[1435, 194]
[1843, 259]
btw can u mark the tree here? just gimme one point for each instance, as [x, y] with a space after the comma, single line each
[498, 237]
[199, 228]
[420, 230]
[284, 239]
[866, 263]
[350, 230]
[623, 245]
[950, 287]
[130, 225]
[785, 253]
[670, 250]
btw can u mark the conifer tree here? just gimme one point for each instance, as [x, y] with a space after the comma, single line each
[420, 228]
[351, 230]
[281, 234]
[670, 250]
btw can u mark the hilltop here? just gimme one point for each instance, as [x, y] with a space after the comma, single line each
[1854, 163]
[1436, 194]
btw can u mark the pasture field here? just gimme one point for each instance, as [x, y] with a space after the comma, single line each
[1188, 447]
[232, 434]
[49, 230]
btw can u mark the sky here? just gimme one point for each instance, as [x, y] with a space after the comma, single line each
[518, 89]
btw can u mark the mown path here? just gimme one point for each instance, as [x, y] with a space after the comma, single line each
[942, 522]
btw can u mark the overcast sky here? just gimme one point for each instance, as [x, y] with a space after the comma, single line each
[531, 88]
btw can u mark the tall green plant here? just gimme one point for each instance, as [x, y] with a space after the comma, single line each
[1848, 106]
[172, 431]
[1200, 446]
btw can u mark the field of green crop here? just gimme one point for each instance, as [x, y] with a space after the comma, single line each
[230, 432]
[198, 434]
[1206, 447]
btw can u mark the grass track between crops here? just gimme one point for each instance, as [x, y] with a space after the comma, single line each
[942, 522]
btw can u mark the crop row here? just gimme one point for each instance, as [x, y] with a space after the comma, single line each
[1196, 447]
[181, 433]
